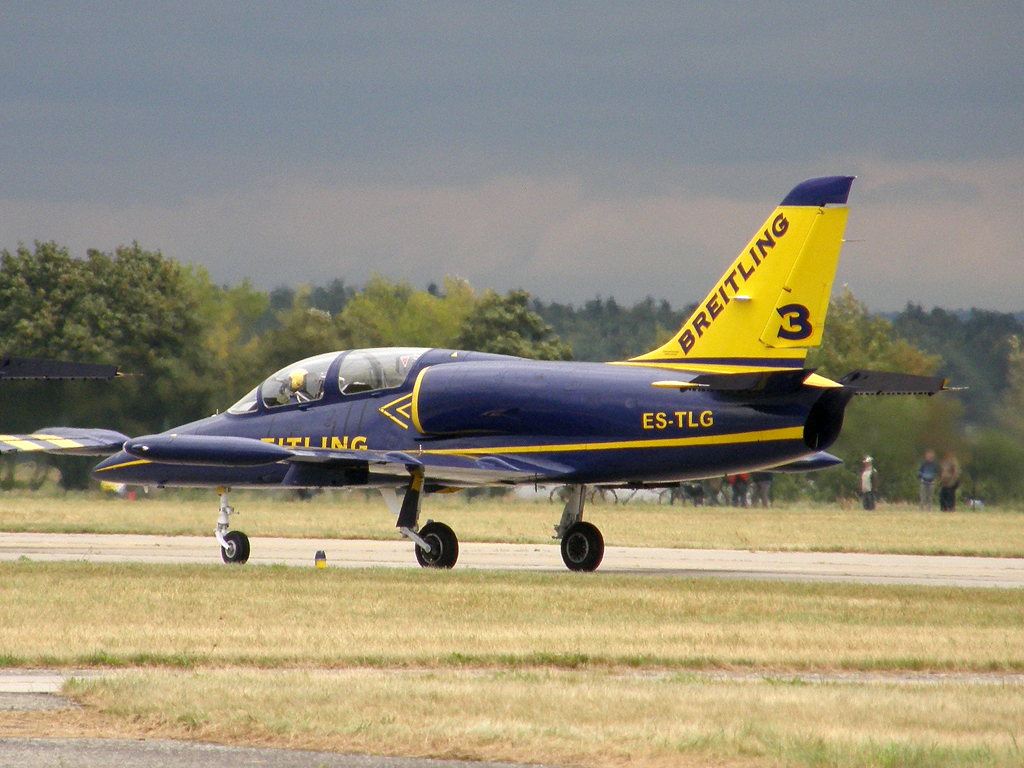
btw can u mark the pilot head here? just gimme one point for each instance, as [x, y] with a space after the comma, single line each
[297, 379]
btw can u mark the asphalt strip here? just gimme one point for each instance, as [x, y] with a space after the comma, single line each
[160, 753]
[927, 570]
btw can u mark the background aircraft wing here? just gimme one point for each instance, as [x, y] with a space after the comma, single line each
[68, 440]
[14, 368]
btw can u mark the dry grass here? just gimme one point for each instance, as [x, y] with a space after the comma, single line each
[598, 670]
[75, 614]
[894, 529]
[592, 718]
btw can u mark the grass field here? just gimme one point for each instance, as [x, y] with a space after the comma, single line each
[572, 718]
[75, 614]
[595, 670]
[894, 529]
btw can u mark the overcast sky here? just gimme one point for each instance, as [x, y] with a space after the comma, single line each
[577, 149]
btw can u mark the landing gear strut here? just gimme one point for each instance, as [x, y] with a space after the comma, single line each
[234, 545]
[437, 546]
[582, 543]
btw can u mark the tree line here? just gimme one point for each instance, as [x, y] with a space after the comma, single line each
[193, 347]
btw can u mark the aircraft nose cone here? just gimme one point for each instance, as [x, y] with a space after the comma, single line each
[115, 469]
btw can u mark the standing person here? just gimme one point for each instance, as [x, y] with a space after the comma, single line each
[868, 483]
[926, 473]
[949, 481]
[762, 485]
[739, 490]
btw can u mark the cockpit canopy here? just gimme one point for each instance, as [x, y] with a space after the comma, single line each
[362, 370]
[367, 370]
[301, 382]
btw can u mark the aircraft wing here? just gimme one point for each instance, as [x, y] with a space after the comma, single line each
[66, 440]
[331, 468]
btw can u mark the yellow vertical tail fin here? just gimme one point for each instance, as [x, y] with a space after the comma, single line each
[769, 307]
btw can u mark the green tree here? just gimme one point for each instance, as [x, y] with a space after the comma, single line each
[396, 314]
[131, 307]
[506, 325]
[854, 339]
[996, 466]
[894, 430]
[603, 330]
[975, 349]
[1011, 407]
[301, 332]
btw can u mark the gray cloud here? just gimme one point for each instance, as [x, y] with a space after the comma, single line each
[605, 148]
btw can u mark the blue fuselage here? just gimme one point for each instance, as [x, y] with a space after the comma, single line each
[577, 422]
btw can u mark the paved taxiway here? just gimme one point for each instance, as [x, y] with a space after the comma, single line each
[159, 753]
[787, 566]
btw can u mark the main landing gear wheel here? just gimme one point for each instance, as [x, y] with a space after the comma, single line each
[582, 547]
[444, 546]
[237, 549]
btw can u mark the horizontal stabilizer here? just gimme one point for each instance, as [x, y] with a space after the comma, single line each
[884, 383]
[206, 450]
[66, 440]
[819, 460]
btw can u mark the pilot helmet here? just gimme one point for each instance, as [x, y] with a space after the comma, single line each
[297, 378]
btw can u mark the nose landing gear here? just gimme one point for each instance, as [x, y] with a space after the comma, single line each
[234, 545]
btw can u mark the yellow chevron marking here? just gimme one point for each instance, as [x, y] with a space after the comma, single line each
[400, 410]
[762, 436]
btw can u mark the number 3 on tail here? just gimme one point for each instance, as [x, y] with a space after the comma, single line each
[796, 322]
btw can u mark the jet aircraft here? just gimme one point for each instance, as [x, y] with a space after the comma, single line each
[727, 393]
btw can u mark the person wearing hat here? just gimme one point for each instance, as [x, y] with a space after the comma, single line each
[868, 483]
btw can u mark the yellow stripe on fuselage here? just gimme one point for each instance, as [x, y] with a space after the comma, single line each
[762, 436]
[125, 464]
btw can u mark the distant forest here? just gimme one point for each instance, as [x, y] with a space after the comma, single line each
[974, 344]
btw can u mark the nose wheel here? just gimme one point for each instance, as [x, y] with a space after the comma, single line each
[234, 545]
[235, 548]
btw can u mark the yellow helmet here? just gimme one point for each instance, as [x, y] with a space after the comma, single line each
[297, 378]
